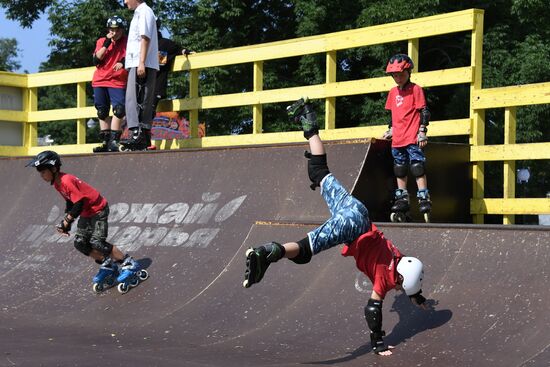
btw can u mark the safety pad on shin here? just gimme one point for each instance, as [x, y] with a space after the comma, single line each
[400, 170]
[101, 245]
[102, 112]
[119, 111]
[82, 245]
[418, 168]
[305, 252]
[317, 168]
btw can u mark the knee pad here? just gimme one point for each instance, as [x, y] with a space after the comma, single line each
[82, 245]
[305, 252]
[102, 246]
[119, 111]
[373, 315]
[317, 168]
[102, 112]
[418, 169]
[400, 170]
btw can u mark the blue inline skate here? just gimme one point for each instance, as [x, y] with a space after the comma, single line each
[106, 276]
[130, 275]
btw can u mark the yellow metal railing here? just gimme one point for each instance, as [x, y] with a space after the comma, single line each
[410, 31]
[509, 98]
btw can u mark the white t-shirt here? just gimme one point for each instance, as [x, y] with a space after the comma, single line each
[143, 24]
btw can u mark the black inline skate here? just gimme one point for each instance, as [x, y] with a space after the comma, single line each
[302, 112]
[401, 206]
[424, 204]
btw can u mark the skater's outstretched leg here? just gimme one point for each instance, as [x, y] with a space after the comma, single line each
[302, 112]
[317, 158]
[258, 259]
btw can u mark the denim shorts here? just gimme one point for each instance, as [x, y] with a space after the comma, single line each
[349, 217]
[410, 153]
[104, 96]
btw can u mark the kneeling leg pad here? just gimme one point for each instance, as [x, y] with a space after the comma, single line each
[82, 245]
[400, 170]
[317, 168]
[305, 252]
[418, 169]
[102, 246]
[102, 112]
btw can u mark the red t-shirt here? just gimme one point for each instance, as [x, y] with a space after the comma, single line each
[74, 189]
[404, 105]
[104, 75]
[377, 257]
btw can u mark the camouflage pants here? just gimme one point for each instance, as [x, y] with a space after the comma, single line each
[349, 217]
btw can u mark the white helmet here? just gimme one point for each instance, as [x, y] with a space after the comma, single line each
[412, 271]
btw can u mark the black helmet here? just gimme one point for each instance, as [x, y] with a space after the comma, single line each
[115, 22]
[45, 159]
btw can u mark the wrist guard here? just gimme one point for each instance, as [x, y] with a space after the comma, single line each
[377, 342]
[107, 42]
[65, 228]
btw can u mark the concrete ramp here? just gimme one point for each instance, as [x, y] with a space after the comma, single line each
[189, 216]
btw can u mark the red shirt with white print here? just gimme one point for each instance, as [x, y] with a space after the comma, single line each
[104, 74]
[404, 105]
[74, 189]
[377, 257]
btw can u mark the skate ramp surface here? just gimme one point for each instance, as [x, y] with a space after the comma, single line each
[189, 216]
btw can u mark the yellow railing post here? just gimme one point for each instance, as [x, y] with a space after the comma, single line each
[412, 51]
[257, 109]
[477, 136]
[194, 93]
[330, 102]
[30, 104]
[509, 190]
[81, 123]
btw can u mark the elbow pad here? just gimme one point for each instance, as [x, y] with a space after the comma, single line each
[425, 116]
[77, 208]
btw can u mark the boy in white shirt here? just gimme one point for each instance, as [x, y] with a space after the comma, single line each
[142, 65]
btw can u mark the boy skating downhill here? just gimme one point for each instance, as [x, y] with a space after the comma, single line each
[349, 225]
[86, 203]
[407, 129]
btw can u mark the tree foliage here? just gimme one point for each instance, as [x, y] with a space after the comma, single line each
[8, 54]
[515, 51]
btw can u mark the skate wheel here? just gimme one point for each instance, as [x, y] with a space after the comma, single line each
[393, 217]
[134, 281]
[97, 288]
[143, 275]
[246, 284]
[427, 217]
[122, 148]
[248, 252]
[123, 288]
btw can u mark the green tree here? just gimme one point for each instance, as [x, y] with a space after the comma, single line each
[25, 11]
[8, 54]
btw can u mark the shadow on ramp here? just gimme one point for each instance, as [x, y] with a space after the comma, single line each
[412, 321]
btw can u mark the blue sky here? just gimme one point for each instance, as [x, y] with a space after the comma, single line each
[32, 43]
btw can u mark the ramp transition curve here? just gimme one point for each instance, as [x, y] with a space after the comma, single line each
[189, 216]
